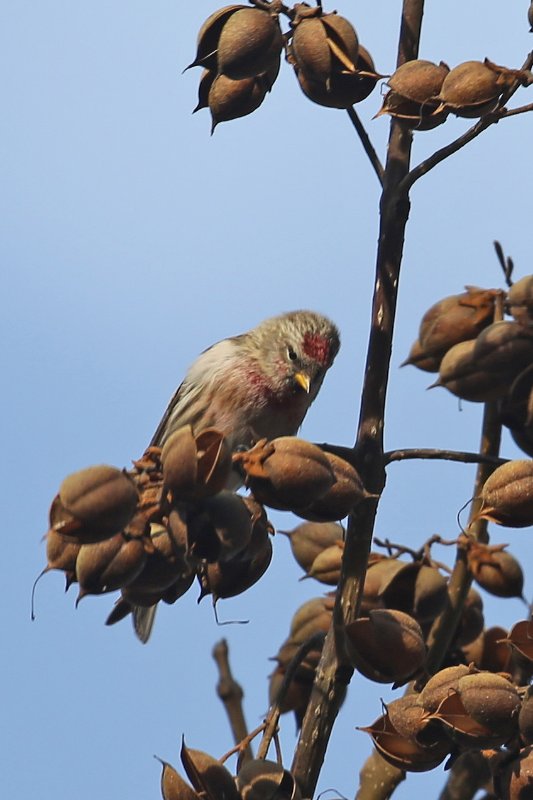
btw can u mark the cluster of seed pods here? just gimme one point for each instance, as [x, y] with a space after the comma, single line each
[240, 49]
[150, 531]
[256, 779]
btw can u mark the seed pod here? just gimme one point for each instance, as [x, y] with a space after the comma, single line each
[492, 701]
[219, 527]
[419, 81]
[521, 638]
[163, 566]
[520, 300]
[259, 779]
[347, 492]
[209, 35]
[471, 89]
[109, 565]
[314, 616]
[513, 781]
[326, 567]
[456, 318]
[507, 495]
[496, 571]
[195, 466]
[173, 787]
[441, 684]
[323, 44]
[207, 775]
[94, 504]
[60, 552]
[403, 753]
[345, 88]
[370, 641]
[419, 358]
[525, 718]
[295, 699]
[488, 652]
[422, 117]
[417, 589]
[250, 43]
[287, 473]
[472, 620]
[311, 538]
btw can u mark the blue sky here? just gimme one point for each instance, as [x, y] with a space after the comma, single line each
[130, 241]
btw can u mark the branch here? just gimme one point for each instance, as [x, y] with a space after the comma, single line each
[442, 455]
[334, 672]
[231, 694]
[378, 779]
[500, 112]
[367, 144]
[469, 774]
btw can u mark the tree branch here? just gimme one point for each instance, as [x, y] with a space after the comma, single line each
[231, 694]
[367, 144]
[442, 455]
[334, 671]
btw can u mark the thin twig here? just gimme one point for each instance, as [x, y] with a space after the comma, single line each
[367, 144]
[444, 455]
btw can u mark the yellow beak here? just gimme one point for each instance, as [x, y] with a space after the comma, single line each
[303, 381]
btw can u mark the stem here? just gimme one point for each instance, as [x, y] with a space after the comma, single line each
[231, 694]
[334, 672]
[367, 144]
[443, 455]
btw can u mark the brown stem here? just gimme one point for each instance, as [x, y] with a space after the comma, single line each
[231, 694]
[378, 779]
[469, 774]
[334, 672]
[367, 144]
[445, 455]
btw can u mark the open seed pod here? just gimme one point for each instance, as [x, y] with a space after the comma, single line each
[341, 498]
[422, 117]
[94, 504]
[371, 640]
[164, 565]
[495, 570]
[507, 495]
[195, 466]
[173, 787]
[489, 651]
[521, 638]
[313, 616]
[61, 553]
[250, 43]
[345, 88]
[440, 685]
[259, 780]
[231, 99]
[516, 410]
[520, 300]
[296, 698]
[419, 358]
[287, 473]
[219, 527]
[207, 775]
[209, 35]
[323, 44]
[419, 81]
[416, 588]
[402, 752]
[525, 717]
[326, 567]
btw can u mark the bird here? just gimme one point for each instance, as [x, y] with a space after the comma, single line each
[256, 385]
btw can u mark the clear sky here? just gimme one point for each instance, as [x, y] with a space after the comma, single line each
[130, 241]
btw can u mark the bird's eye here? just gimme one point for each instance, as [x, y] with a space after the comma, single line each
[291, 353]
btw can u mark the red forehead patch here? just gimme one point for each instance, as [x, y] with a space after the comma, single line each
[316, 347]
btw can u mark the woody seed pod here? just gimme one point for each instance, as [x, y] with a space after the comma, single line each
[311, 538]
[207, 775]
[250, 43]
[259, 779]
[520, 300]
[471, 89]
[507, 495]
[173, 787]
[287, 473]
[337, 502]
[419, 81]
[109, 565]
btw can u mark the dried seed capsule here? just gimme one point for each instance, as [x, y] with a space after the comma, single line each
[250, 43]
[441, 684]
[370, 641]
[224, 521]
[326, 567]
[419, 81]
[405, 753]
[525, 718]
[207, 775]
[507, 495]
[344, 88]
[492, 701]
[109, 565]
[323, 45]
[173, 787]
[259, 779]
[520, 300]
[419, 358]
[231, 99]
[311, 538]
[456, 318]
[195, 466]
[94, 503]
[314, 616]
[60, 552]
[471, 89]
[287, 473]
[347, 492]
[209, 35]
[496, 571]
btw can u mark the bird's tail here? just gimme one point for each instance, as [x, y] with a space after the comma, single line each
[143, 621]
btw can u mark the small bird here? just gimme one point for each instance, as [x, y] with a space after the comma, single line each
[259, 384]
